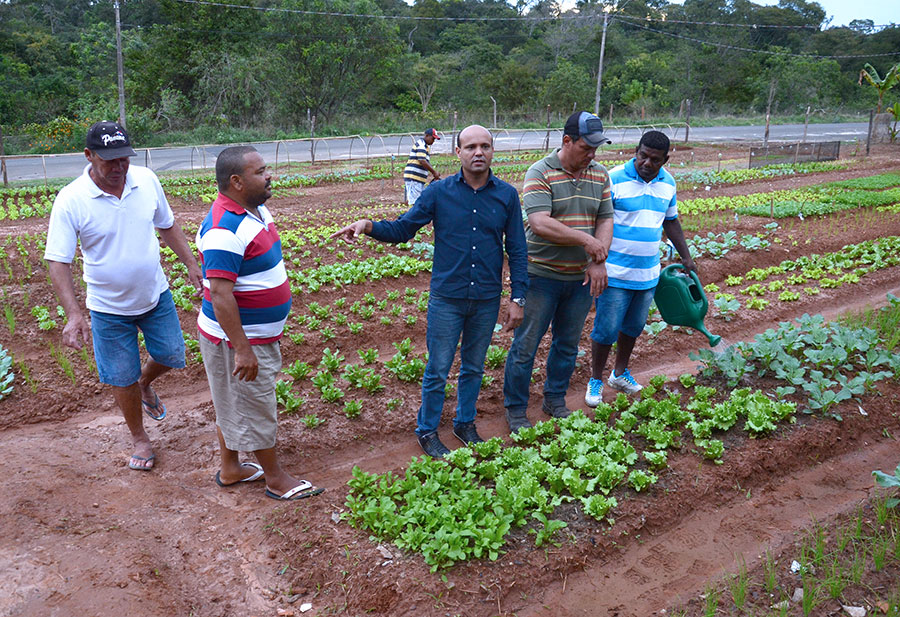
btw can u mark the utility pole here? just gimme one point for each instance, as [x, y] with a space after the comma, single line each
[494, 125]
[600, 65]
[119, 64]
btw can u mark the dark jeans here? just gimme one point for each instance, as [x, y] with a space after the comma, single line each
[448, 318]
[564, 305]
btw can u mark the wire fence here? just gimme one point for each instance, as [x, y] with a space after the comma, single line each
[366, 149]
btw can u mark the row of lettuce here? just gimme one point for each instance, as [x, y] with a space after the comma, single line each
[467, 505]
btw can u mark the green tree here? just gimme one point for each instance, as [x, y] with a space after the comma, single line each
[566, 85]
[329, 60]
[514, 83]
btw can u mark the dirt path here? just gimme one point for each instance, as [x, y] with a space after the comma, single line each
[666, 568]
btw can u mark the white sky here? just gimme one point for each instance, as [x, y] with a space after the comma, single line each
[845, 11]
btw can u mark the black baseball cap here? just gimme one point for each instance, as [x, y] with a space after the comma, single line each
[109, 140]
[586, 126]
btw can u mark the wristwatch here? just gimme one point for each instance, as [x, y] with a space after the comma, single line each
[519, 301]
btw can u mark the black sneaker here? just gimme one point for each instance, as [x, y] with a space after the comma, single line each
[556, 409]
[466, 433]
[432, 446]
[517, 420]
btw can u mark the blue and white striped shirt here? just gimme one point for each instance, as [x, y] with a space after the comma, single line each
[639, 211]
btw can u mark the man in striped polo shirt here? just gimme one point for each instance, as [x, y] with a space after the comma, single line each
[415, 174]
[567, 201]
[246, 301]
[644, 200]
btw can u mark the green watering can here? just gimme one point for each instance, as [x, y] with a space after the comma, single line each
[681, 301]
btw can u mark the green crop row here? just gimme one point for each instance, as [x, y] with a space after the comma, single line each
[829, 362]
[355, 272]
[824, 203]
[736, 176]
[464, 506]
[809, 273]
[816, 199]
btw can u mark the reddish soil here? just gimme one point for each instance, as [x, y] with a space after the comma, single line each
[84, 534]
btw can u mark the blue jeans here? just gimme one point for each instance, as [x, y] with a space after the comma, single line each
[621, 310]
[447, 319]
[564, 305]
[115, 340]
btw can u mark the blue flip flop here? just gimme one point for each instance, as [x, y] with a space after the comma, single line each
[135, 457]
[156, 409]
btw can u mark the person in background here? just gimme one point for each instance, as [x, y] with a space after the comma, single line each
[115, 210]
[643, 195]
[415, 174]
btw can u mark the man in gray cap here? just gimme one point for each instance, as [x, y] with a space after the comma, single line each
[568, 203]
[115, 211]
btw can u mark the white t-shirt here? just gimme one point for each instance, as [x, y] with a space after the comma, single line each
[118, 240]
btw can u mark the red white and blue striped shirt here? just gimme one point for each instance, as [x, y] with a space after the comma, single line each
[237, 246]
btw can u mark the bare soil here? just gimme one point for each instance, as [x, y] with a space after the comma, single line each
[83, 534]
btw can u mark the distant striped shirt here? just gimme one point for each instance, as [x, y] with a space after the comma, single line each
[578, 204]
[237, 246]
[640, 209]
[414, 170]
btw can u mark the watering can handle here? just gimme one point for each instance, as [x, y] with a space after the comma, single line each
[680, 266]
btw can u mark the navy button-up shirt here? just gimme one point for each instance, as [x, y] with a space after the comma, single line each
[471, 229]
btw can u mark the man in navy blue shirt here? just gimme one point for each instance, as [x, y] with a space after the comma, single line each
[475, 215]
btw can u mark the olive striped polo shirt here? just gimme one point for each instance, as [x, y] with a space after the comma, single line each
[577, 204]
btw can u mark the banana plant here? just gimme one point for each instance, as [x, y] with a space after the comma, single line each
[882, 84]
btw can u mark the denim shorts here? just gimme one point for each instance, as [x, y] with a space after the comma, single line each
[116, 348]
[621, 310]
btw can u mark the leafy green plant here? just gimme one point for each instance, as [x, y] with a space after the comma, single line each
[312, 421]
[545, 533]
[331, 394]
[331, 360]
[687, 380]
[352, 409]
[298, 370]
[6, 374]
[726, 305]
[42, 314]
[495, 357]
[640, 479]
[883, 479]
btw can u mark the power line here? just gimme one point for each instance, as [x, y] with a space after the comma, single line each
[747, 49]
[265, 9]
[733, 25]
[526, 18]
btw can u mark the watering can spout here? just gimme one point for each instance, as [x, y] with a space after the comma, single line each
[714, 339]
[681, 300]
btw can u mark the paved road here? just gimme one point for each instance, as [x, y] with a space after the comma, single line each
[344, 148]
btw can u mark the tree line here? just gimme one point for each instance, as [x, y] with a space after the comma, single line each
[189, 63]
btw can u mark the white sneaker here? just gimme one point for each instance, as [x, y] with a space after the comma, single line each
[624, 382]
[594, 394]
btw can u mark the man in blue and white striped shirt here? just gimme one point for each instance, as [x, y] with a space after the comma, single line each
[644, 203]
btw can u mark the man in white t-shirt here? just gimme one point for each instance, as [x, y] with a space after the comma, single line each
[113, 210]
